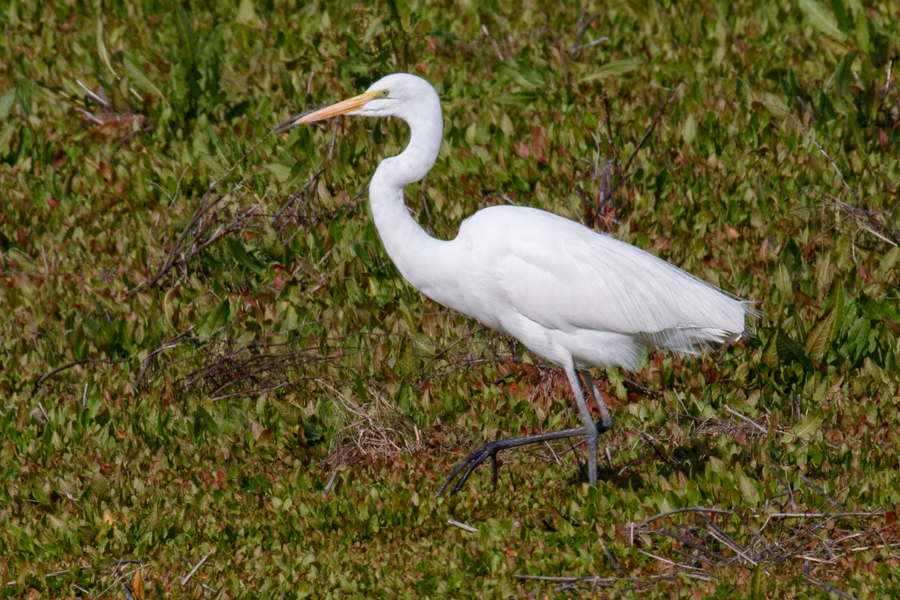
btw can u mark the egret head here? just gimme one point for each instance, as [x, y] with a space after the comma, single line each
[398, 95]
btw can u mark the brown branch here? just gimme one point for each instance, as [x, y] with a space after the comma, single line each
[612, 560]
[205, 205]
[825, 154]
[585, 24]
[43, 378]
[819, 491]
[752, 530]
[693, 544]
[607, 113]
[656, 119]
[196, 567]
[829, 588]
[295, 195]
[173, 343]
[784, 486]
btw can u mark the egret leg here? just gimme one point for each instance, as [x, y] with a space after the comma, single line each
[606, 421]
[590, 432]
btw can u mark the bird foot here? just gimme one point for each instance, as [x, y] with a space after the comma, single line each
[603, 427]
[490, 451]
[471, 462]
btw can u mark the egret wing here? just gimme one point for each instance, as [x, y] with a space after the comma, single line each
[567, 277]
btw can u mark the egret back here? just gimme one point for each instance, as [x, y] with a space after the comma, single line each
[567, 278]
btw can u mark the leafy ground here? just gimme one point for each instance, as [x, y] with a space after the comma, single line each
[213, 376]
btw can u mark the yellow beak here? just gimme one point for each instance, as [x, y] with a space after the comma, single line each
[343, 107]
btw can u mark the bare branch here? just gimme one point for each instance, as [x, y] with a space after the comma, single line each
[93, 361]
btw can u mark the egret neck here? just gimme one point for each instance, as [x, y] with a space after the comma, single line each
[418, 256]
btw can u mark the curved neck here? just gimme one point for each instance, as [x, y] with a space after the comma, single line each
[409, 246]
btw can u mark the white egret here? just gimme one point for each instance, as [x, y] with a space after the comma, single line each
[572, 296]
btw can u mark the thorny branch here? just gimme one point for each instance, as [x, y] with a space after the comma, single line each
[595, 215]
[221, 215]
[706, 540]
[880, 224]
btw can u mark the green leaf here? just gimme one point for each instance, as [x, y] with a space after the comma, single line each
[188, 38]
[281, 172]
[843, 77]
[842, 16]
[857, 337]
[375, 29]
[775, 104]
[783, 281]
[289, 413]
[528, 78]
[862, 33]
[880, 50]
[407, 362]
[6, 103]
[206, 420]
[820, 18]
[101, 48]
[142, 81]
[716, 465]
[790, 351]
[887, 264]
[217, 318]
[521, 99]
[247, 13]
[244, 258]
[313, 433]
[689, 130]
[875, 309]
[6, 135]
[443, 34]
[758, 581]
[809, 425]
[169, 308]
[612, 68]
[837, 301]
[820, 339]
[748, 489]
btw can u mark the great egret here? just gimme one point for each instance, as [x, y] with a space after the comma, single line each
[572, 296]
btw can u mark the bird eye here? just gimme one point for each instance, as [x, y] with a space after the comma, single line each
[385, 93]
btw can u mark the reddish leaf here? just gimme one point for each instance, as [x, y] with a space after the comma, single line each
[522, 150]
[539, 144]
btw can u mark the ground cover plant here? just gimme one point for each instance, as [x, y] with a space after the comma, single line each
[214, 382]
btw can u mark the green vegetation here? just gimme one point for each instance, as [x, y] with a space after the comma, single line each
[207, 354]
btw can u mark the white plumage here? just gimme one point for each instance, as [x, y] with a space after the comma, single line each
[572, 296]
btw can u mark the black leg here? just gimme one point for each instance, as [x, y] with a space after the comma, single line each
[590, 432]
[606, 421]
[490, 451]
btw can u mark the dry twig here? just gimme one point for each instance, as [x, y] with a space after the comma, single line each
[87, 361]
